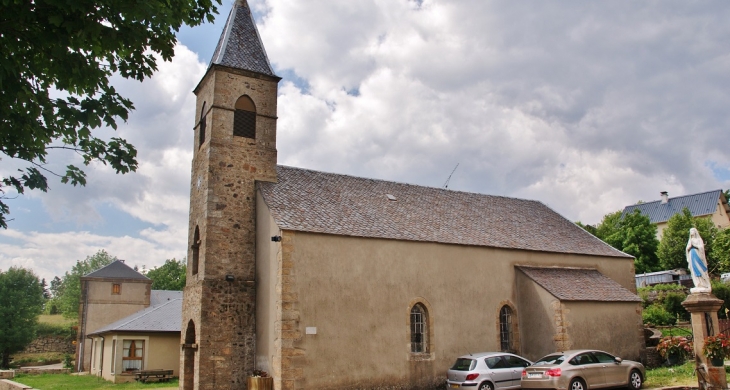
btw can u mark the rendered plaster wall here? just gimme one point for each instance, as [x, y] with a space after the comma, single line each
[540, 311]
[103, 307]
[161, 351]
[355, 295]
[268, 272]
[614, 327]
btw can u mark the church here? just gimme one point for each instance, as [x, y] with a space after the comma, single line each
[329, 281]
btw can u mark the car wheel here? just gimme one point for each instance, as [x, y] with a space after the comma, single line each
[635, 380]
[577, 384]
[486, 386]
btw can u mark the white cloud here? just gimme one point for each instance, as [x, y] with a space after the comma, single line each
[585, 106]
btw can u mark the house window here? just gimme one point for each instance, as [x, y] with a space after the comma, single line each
[116, 288]
[419, 331]
[244, 118]
[505, 328]
[132, 355]
[196, 250]
[114, 355]
[202, 126]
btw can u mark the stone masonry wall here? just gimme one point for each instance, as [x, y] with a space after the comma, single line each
[50, 344]
[221, 298]
[561, 337]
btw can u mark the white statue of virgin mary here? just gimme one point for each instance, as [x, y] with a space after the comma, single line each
[697, 262]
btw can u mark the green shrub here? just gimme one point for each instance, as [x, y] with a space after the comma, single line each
[672, 302]
[657, 315]
[44, 329]
[722, 291]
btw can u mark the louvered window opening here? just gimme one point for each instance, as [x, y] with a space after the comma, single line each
[418, 329]
[244, 124]
[505, 328]
[202, 131]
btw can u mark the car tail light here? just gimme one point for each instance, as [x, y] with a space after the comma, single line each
[553, 372]
[471, 377]
[524, 373]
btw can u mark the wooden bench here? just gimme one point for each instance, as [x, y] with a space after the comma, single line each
[159, 375]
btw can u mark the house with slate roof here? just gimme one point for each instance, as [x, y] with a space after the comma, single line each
[148, 339]
[118, 308]
[710, 204]
[330, 281]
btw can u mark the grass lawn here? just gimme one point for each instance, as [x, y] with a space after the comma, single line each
[85, 382]
[56, 319]
[683, 375]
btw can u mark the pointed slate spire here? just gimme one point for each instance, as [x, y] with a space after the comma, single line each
[240, 46]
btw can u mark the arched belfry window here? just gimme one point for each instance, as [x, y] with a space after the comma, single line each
[505, 328]
[244, 118]
[419, 328]
[202, 126]
[196, 251]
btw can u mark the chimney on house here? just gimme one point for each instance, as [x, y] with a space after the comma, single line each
[665, 197]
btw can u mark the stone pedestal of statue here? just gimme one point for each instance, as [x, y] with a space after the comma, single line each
[703, 307]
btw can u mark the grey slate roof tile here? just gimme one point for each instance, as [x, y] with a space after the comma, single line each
[240, 45]
[704, 203]
[116, 269]
[158, 297]
[318, 202]
[165, 317]
[578, 284]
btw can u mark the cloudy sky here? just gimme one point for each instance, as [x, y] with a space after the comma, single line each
[584, 106]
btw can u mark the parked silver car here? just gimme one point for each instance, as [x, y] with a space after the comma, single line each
[486, 371]
[583, 370]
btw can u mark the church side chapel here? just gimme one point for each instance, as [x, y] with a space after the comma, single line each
[329, 281]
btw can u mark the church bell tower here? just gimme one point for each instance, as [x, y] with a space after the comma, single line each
[234, 146]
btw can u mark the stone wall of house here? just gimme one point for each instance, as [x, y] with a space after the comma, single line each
[50, 344]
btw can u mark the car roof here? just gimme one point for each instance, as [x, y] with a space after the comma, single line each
[478, 355]
[572, 352]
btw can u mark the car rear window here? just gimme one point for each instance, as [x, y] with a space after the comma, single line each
[551, 359]
[464, 364]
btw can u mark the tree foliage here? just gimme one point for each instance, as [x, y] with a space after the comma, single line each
[721, 250]
[636, 235]
[169, 276]
[609, 225]
[633, 234]
[69, 292]
[673, 244]
[21, 301]
[57, 59]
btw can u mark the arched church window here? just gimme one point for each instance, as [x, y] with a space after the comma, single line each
[202, 126]
[244, 118]
[505, 328]
[419, 328]
[196, 251]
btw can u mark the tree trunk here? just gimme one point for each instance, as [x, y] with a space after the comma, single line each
[5, 361]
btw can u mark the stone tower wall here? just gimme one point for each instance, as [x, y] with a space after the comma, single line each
[220, 299]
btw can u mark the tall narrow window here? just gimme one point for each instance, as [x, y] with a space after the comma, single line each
[505, 328]
[202, 126]
[133, 354]
[196, 250]
[419, 331]
[116, 288]
[244, 118]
